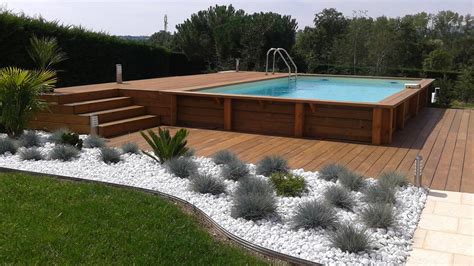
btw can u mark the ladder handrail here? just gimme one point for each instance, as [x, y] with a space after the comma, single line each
[291, 59]
[284, 60]
[266, 65]
[278, 50]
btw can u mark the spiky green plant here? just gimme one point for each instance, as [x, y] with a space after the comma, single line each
[19, 97]
[45, 52]
[164, 145]
[350, 239]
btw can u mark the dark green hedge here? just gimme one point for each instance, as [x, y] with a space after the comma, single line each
[92, 56]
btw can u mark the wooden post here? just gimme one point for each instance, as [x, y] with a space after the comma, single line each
[376, 126]
[299, 120]
[401, 116]
[387, 123]
[227, 114]
[173, 110]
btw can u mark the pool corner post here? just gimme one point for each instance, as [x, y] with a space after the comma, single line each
[382, 123]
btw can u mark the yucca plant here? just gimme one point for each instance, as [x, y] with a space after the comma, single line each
[19, 97]
[164, 145]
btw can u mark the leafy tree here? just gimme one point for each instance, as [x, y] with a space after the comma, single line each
[162, 38]
[465, 85]
[438, 59]
[446, 94]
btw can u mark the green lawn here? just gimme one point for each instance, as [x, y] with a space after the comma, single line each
[46, 221]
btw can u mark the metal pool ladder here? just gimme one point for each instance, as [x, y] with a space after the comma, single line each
[282, 55]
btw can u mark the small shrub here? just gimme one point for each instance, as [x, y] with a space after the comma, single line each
[377, 193]
[93, 141]
[272, 164]
[224, 157]
[352, 181]
[109, 155]
[288, 185]
[350, 239]
[182, 167]
[207, 184]
[7, 145]
[378, 215]
[57, 135]
[339, 197]
[64, 153]
[235, 170]
[253, 199]
[313, 214]
[31, 154]
[392, 179]
[164, 146]
[130, 147]
[30, 139]
[71, 139]
[332, 172]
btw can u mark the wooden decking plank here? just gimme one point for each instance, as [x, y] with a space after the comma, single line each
[453, 179]
[335, 157]
[312, 164]
[370, 160]
[467, 181]
[440, 175]
[306, 156]
[432, 156]
[422, 145]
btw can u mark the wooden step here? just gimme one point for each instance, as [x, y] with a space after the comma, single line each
[128, 125]
[99, 105]
[118, 113]
[65, 97]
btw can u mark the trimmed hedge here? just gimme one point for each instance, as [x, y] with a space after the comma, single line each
[91, 55]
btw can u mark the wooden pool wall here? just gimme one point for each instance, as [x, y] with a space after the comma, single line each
[361, 122]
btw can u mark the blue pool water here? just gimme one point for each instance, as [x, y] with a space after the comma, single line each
[319, 88]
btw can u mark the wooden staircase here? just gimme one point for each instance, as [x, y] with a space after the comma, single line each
[117, 114]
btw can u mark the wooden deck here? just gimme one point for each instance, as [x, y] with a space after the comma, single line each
[444, 137]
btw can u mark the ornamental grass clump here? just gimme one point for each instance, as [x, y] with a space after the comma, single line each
[57, 135]
[165, 146]
[288, 184]
[392, 179]
[379, 194]
[378, 215]
[131, 148]
[64, 153]
[31, 154]
[313, 214]
[352, 181]
[272, 164]
[7, 145]
[235, 170]
[182, 167]
[207, 184]
[349, 239]
[224, 157]
[332, 172]
[190, 153]
[30, 139]
[253, 199]
[109, 155]
[339, 197]
[93, 141]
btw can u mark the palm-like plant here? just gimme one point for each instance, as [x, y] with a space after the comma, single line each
[45, 52]
[19, 96]
[164, 145]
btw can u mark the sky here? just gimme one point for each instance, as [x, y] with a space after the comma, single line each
[144, 17]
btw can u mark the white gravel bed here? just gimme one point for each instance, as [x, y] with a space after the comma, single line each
[390, 246]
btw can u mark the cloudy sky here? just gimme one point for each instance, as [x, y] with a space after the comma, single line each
[143, 17]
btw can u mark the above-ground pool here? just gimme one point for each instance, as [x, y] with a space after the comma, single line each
[321, 88]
